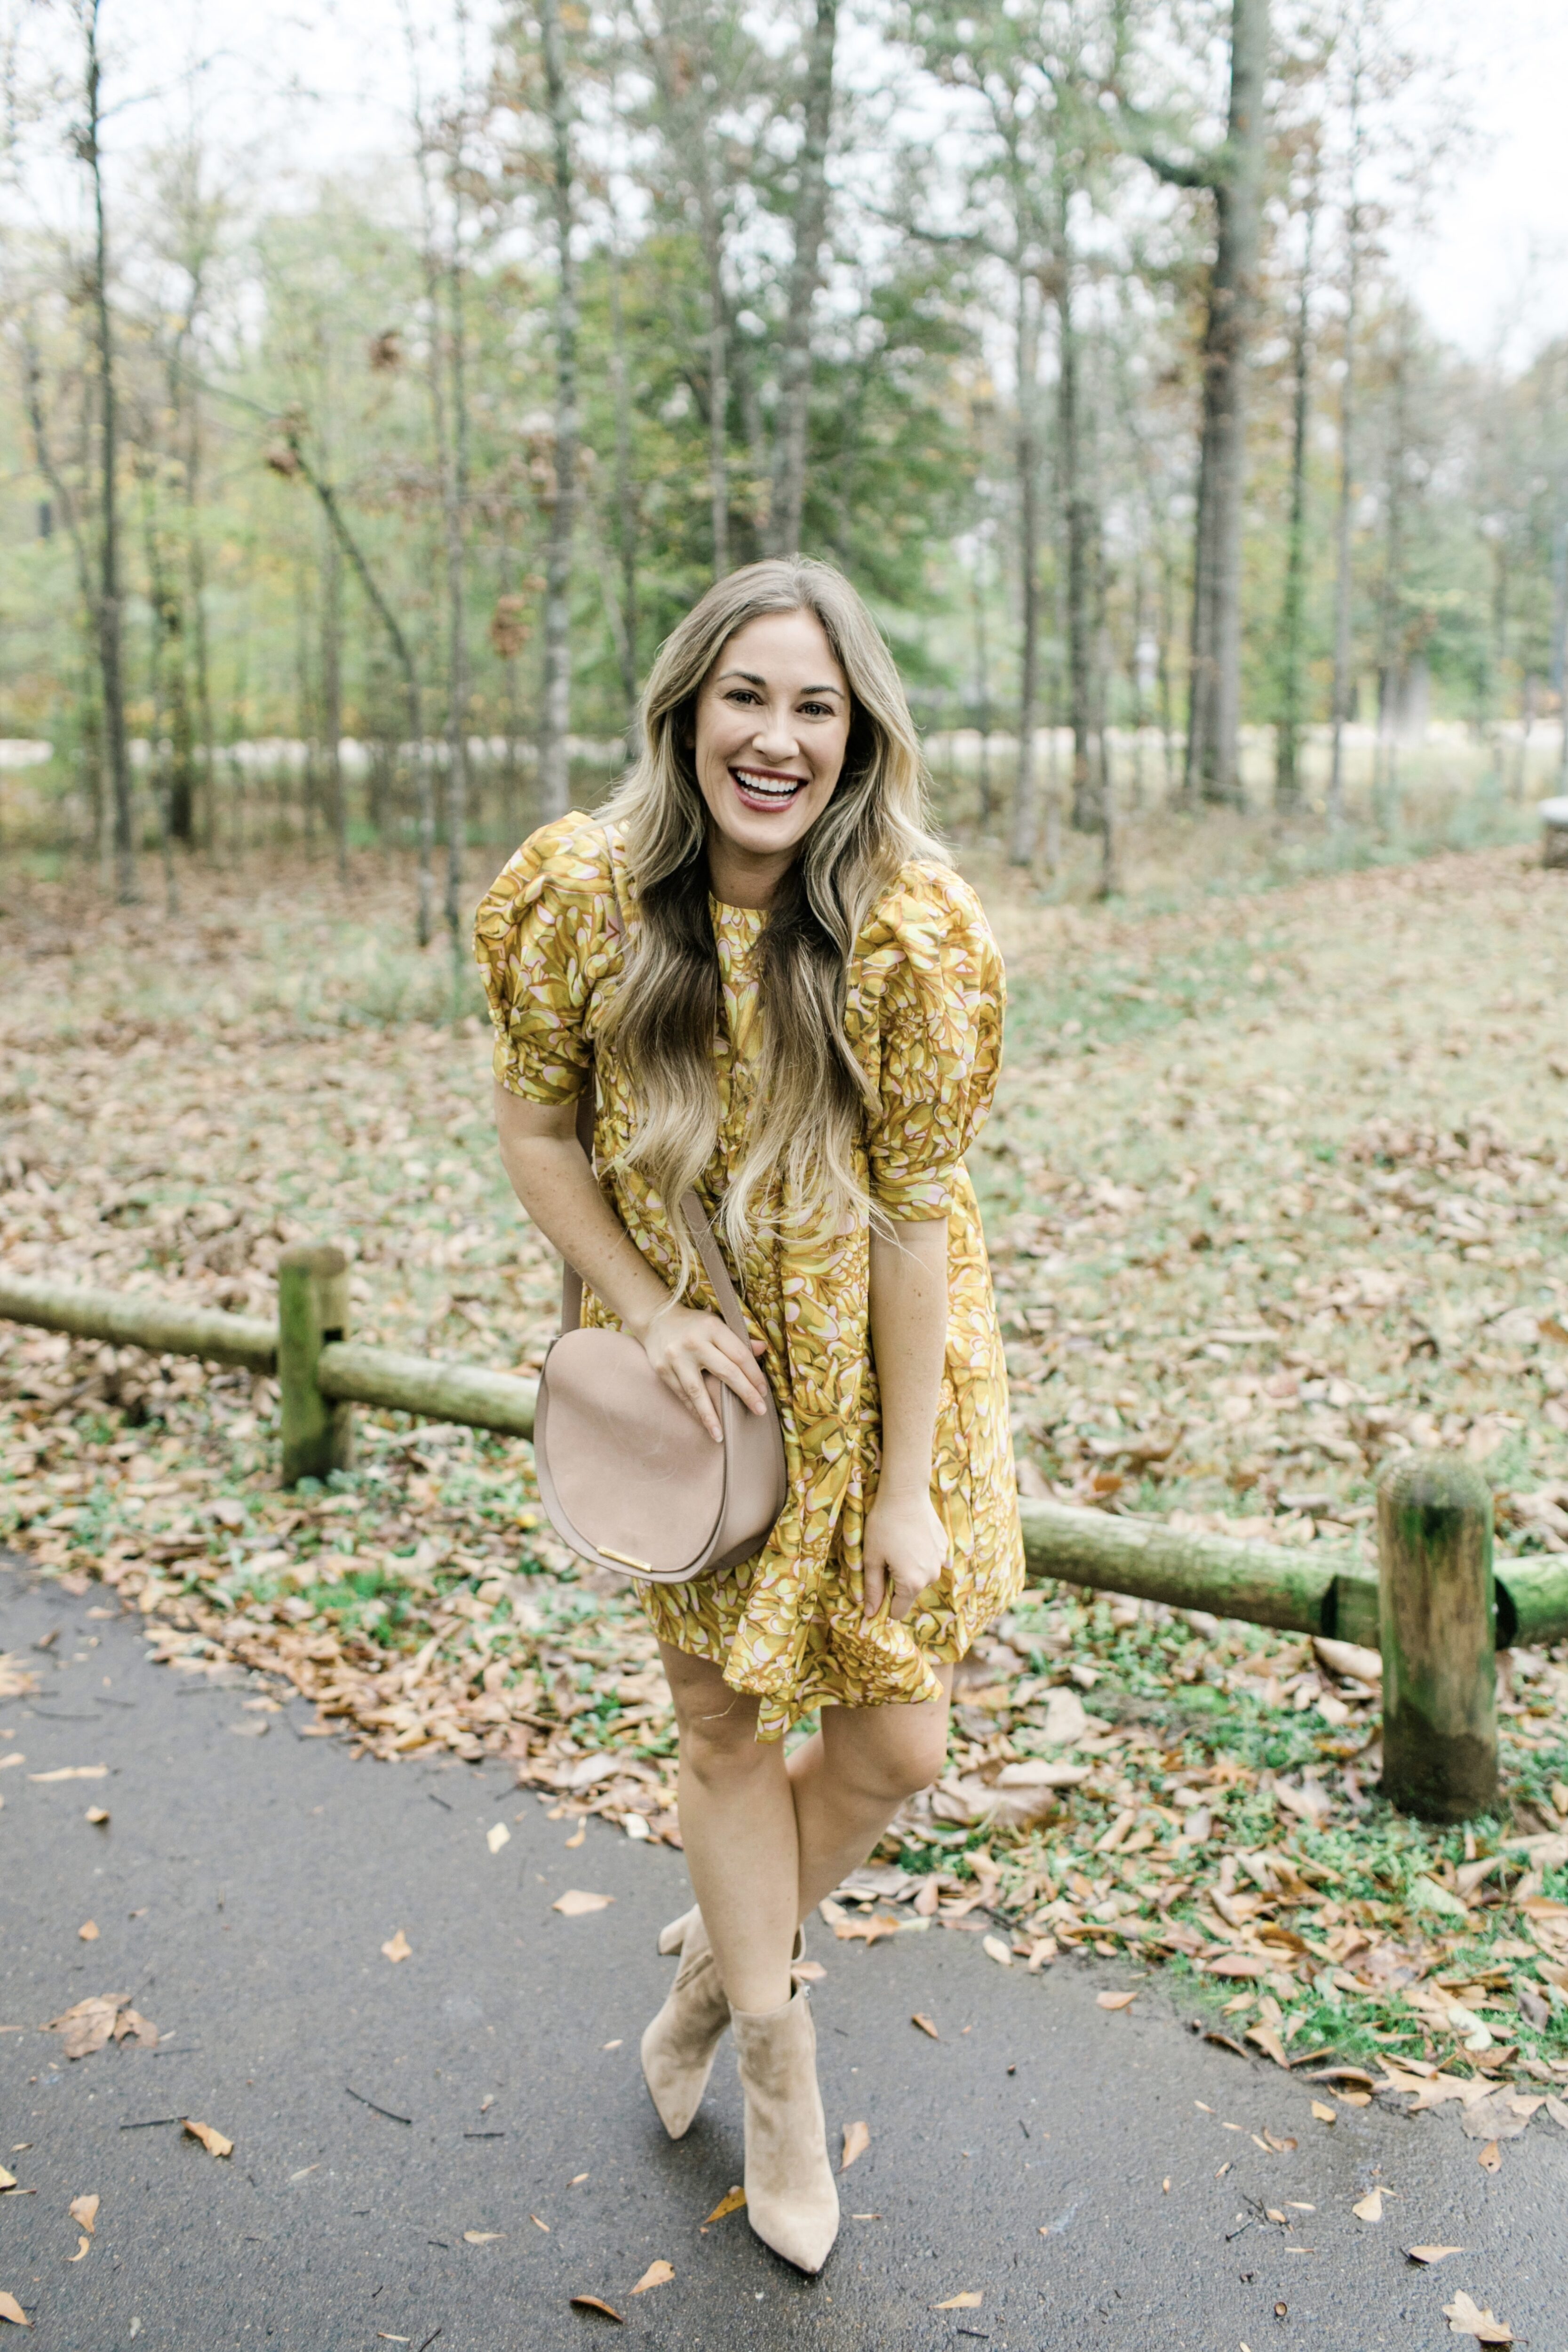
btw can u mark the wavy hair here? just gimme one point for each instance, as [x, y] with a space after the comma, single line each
[812, 1097]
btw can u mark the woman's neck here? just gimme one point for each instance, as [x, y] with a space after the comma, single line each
[744, 877]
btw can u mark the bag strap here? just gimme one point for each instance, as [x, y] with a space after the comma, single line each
[691, 1209]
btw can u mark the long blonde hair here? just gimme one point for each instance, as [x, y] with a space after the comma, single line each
[812, 1097]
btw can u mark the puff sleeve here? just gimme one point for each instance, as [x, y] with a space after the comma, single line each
[541, 937]
[941, 1007]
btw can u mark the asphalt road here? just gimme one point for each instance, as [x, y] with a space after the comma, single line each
[1081, 2170]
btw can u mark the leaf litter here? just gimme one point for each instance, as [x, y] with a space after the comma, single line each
[1235, 1276]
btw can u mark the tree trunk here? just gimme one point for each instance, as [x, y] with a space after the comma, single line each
[718, 380]
[1390, 633]
[332, 697]
[1288, 740]
[1342, 583]
[1077, 521]
[555, 717]
[983, 687]
[627, 500]
[1213, 724]
[110, 665]
[1028, 360]
[157, 768]
[810, 226]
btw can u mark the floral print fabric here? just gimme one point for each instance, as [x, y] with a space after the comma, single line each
[926, 995]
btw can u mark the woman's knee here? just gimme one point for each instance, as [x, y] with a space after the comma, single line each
[888, 1761]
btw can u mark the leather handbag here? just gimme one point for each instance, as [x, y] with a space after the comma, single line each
[629, 1475]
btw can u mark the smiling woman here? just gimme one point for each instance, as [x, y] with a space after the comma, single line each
[785, 1001]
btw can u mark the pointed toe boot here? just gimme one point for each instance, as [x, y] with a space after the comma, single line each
[678, 2047]
[792, 2201]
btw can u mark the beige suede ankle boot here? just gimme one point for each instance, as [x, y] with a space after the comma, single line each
[678, 2047]
[792, 2202]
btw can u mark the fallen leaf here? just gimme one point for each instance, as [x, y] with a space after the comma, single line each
[1558, 2111]
[88, 1932]
[1268, 2041]
[1491, 2157]
[928, 1899]
[1281, 2147]
[87, 2026]
[576, 1903]
[97, 1815]
[1272, 2214]
[808, 1971]
[1116, 2000]
[539, 2224]
[1464, 2319]
[398, 1948]
[1432, 2253]
[654, 2275]
[71, 1773]
[498, 1835]
[83, 2248]
[971, 2302]
[12, 2310]
[856, 2141]
[128, 2021]
[995, 1949]
[7, 2179]
[1370, 2206]
[212, 2140]
[925, 2024]
[593, 2303]
[482, 2237]
[1324, 2112]
[731, 2204]
[578, 1837]
[85, 2210]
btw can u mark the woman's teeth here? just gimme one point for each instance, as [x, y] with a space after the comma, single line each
[766, 791]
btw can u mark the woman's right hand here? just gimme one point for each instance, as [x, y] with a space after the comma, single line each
[685, 1342]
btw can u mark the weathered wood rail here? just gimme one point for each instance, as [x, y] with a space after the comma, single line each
[1433, 1605]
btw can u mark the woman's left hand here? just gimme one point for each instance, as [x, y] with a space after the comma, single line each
[904, 1547]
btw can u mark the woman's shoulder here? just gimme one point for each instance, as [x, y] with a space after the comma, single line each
[927, 909]
[572, 861]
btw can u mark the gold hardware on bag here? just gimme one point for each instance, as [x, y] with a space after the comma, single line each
[624, 1558]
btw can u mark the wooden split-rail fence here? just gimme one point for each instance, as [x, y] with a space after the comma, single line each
[1434, 1606]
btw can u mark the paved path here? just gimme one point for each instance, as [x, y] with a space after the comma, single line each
[243, 1889]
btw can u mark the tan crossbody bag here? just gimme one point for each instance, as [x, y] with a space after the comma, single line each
[628, 1473]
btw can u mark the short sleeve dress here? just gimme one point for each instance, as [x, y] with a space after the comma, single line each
[926, 995]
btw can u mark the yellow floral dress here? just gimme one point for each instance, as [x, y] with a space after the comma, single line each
[925, 1013]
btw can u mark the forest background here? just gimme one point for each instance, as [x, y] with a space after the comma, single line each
[345, 504]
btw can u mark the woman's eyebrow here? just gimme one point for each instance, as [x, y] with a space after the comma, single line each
[751, 678]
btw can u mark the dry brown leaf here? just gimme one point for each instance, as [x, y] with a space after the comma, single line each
[85, 2210]
[1558, 2111]
[856, 2141]
[576, 1903]
[83, 2248]
[97, 1815]
[1465, 2319]
[12, 2310]
[731, 2203]
[539, 2224]
[129, 2021]
[71, 1773]
[1491, 2157]
[596, 2303]
[87, 2025]
[1268, 2041]
[1116, 2000]
[995, 1949]
[968, 2301]
[498, 1835]
[808, 1971]
[482, 2237]
[918, 2018]
[577, 1838]
[397, 1947]
[655, 2275]
[1370, 2208]
[7, 2179]
[1324, 2112]
[212, 2140]
[1432, 2253]
[88, 1932]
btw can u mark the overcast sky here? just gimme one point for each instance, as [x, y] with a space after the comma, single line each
[1492, 271]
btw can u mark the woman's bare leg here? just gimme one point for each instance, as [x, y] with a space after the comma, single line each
[738, 1827]
[851, 1778]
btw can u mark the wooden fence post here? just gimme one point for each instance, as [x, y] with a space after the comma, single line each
[312, 1310]
[1438, 1638]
